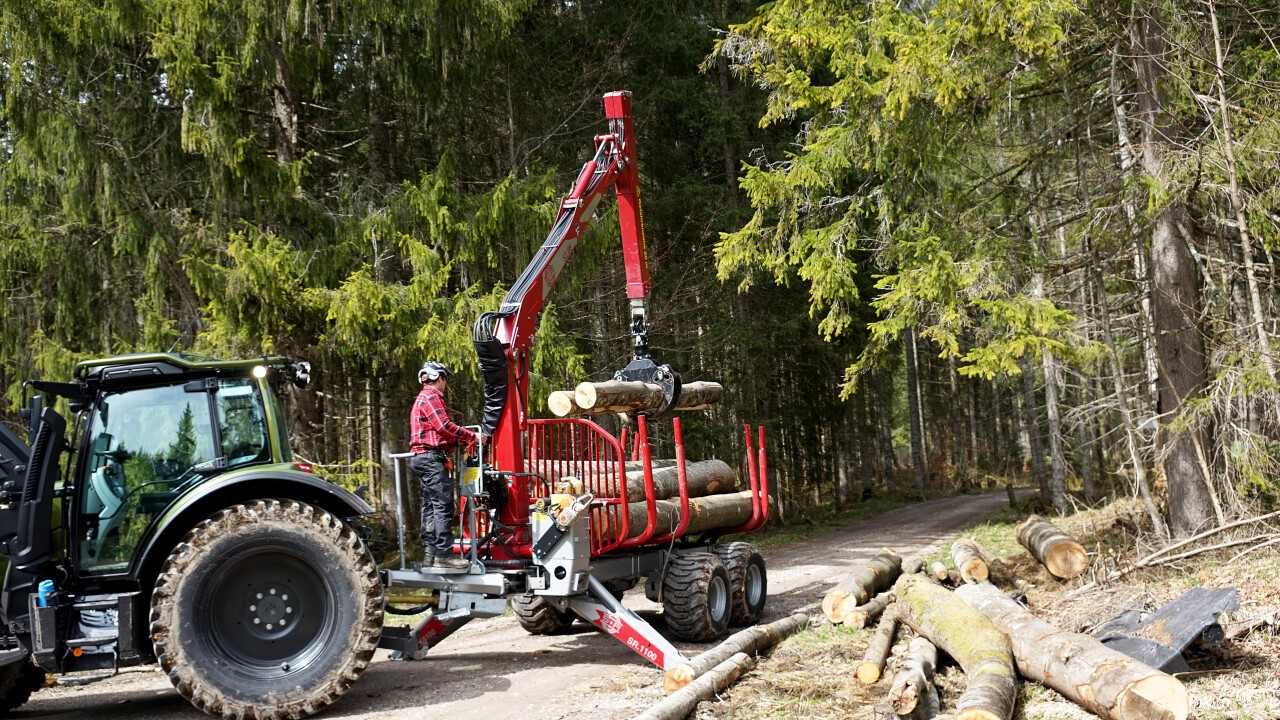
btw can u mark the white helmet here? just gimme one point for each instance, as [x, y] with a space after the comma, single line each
[432, 370]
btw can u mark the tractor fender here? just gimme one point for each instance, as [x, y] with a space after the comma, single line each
[191, 508]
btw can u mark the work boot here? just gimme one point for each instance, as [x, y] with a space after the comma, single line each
[450, 562]
[428, 561]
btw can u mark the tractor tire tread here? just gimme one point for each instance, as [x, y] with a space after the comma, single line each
[738, 557]
[539, 617]
[685, 602]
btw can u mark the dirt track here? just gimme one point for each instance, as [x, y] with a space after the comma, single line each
[493, 670]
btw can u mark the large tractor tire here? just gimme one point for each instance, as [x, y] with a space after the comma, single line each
[269, 610]
[747, 578]
[697, 597]
[17, 681]
[539, 617]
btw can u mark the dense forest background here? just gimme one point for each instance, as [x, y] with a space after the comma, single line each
[930, 246]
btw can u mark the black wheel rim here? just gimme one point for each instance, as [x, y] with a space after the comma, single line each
[269, 613]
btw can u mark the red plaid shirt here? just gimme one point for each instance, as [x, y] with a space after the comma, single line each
[430, 427]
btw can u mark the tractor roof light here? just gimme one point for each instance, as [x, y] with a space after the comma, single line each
[259, 371]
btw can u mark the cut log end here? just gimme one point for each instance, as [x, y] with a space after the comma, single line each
[979, 714]
[868, 673]
[561, 403]
[676, 678]
[1067, 560]
[1158, 697]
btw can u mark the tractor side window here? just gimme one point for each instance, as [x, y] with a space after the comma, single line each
[242, 423]
[144, 448]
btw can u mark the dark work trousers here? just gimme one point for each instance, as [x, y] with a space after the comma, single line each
[437, 503]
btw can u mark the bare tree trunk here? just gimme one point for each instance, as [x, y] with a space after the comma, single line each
[1175, 297]
[884, 422]
[913, 401]
[1056, 456]
[958, 457]
[1031, 421]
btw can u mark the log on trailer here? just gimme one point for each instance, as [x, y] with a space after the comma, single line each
[878, 649]
[752, 641]
[982, 650]
[705, 513]
[878, 574]
[967, 557]
[913, 685]
[705, 477]
[1063, 557]
[1103, 681]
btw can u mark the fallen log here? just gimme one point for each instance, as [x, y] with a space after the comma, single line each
[982, 650]
[940, 571]
[878, 649]
[618, 396]
[705, 477]
[705, 513]
[967, 557]
[678, 705]
[914, 683]
[1103, 681]
[862, 615]
[878, 574]
[752, 641]
[1063, 557]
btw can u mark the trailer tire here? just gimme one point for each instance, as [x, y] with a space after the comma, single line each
[17, 681]
[748, 579]
[538, 616]
[697, 597]
[229, 636]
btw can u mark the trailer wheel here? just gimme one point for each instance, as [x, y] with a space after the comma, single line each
[538, 616]
[17, 681]
[748, 579]
[697, 597]
[267, 610]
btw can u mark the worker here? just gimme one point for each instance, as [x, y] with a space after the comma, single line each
[432, 437]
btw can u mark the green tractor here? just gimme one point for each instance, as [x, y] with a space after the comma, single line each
[170, 523]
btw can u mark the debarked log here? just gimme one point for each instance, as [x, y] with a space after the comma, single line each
[981, 648]
[752, 641]
[1063, 557]
[705, 513]
[1095, 677]
[878, 574]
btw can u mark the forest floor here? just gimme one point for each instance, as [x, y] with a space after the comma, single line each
[810, 676]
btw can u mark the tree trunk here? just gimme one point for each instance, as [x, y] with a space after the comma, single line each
[1103, 681]
[878, 574]
[752, 641]
[1061, 555]
[884, 425]
[1031, 421]
[959, 457]
[982, 650]
[862, 615]
[913, 403]
[707, 513]
[1058, 461]
[678, 705]
[915, 681]
[873, 660]
[967, 557]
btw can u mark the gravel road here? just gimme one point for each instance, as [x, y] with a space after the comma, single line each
[493, 670]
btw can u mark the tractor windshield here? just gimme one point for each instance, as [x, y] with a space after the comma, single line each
[148, 445]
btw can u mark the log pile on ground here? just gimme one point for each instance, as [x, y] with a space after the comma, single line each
[861, 587]
[873, 660]
[752, 641]
[913, 693]
[1061, 555]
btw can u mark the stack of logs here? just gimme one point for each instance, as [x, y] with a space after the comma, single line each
[715, 500]
[993, 638]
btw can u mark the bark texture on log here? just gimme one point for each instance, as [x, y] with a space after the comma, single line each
[912, 685]
[706, 513]
[940, 571]
[876, 575]
[1061, 555]
[862, 615]
[678, 705]
[967, 557]
[752, 641]
[982, 650]
[618, 396]
[699, 395]
[705, 477]
[878, 649]
[1103, 681]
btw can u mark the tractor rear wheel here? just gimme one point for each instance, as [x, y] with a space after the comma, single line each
[538, 616]
[748, 579]
[697, 597]
[17, 681]
[268, 609]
